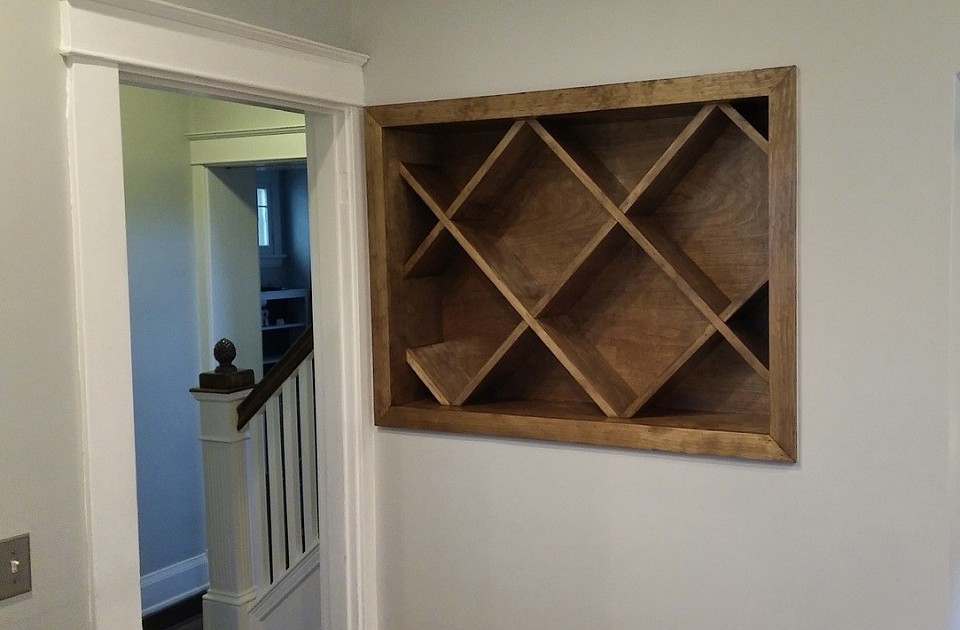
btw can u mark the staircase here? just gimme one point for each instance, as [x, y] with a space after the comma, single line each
[260, 477]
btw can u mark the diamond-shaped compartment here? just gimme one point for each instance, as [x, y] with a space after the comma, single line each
[525, 216]
[626, 328]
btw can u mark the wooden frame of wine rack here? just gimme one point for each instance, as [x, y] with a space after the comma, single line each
[610, 265]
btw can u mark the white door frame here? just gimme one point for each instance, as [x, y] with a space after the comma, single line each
[156, 44]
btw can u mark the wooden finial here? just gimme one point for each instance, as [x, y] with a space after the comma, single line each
[225, 352]
[226, 377]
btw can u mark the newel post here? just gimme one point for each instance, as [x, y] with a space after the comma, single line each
[232, 591]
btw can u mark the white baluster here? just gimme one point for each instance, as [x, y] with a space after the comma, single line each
[278, 523]
[291, 460]
[259, 509]
[308, 451]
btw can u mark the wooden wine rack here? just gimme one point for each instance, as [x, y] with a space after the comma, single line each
[610, 265]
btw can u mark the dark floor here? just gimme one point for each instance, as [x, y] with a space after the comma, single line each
[191, 624]
[186, 615]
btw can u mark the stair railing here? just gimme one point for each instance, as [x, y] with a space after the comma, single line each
[260, 476]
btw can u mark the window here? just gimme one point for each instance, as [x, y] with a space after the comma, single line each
[269, 218]
[263, 217]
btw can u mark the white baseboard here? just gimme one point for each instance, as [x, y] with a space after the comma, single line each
[169, 585]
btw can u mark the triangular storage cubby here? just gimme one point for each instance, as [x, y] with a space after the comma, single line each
[457, 344]
[426, 244]
[412, 224]
[751, 323]
[756, 113]
[719, 382]
[626, 143]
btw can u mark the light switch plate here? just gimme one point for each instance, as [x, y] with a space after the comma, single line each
[15, 566]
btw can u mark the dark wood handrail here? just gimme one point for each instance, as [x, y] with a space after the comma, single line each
[273, 379]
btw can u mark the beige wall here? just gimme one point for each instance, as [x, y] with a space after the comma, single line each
[41, 490]
[481, 533]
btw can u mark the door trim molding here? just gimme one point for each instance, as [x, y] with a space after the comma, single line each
[216, 23]
[155, 44]
[158, 42]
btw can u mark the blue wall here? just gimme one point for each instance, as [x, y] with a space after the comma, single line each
[165, 342]
[294, 212]
[293, 195]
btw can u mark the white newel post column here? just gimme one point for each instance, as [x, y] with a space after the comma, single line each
[227, 604]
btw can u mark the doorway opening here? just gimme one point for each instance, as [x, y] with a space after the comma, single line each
[200, 53]
[202, 179]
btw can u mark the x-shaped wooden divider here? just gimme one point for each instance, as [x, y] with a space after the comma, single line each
[540, 308]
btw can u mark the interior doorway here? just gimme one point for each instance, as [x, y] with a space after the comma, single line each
[201, 53]
[218, 241]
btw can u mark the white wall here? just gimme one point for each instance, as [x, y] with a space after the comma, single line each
[235, 262]
[41, 490]
[484, 533]
[164, 340]
[326, 21]
[479, 533]
[208, 115]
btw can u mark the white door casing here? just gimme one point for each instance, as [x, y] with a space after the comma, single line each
[156, 44]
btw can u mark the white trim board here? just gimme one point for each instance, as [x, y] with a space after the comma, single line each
[245, 133]
[169, 585]
[155, 44]
[253, 148]
[344, 367]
